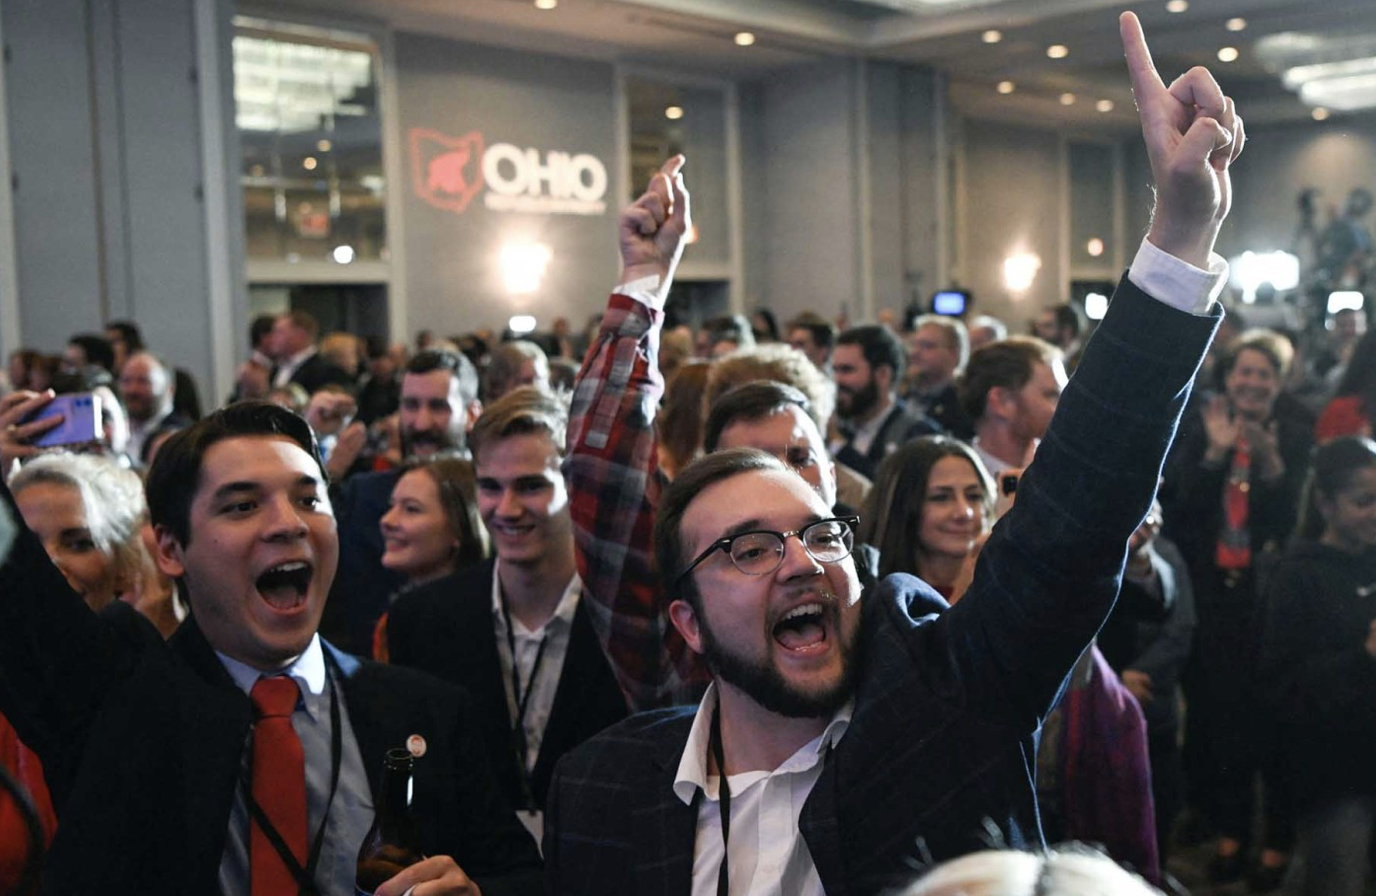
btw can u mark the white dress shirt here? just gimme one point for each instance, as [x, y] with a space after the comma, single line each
[768, 853]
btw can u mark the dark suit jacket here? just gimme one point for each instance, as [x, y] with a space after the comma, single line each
[902, 425]
[939, 756]
[318, 371]
[362, 586]
[144, 744]
[945, 409]
[445, 628]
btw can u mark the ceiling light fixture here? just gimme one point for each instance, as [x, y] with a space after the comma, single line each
[324, 145]
[1177, 5]
[1095, 247]
[1057, 51]
[309, 163]
[1067, 99]
[1319, 114]
[1237, 24]
[1104, 105]
[744, 38]
[1228, 54]
[992, 36]
[1007, 87]
[673, 113]
[546, 4]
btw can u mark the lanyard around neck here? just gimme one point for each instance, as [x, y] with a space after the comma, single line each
[305, 877]
[522, 699]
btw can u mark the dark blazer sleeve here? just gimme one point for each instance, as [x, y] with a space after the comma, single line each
[1051, 569]
[58, 660]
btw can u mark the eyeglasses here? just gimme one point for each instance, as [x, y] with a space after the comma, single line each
[760, 551]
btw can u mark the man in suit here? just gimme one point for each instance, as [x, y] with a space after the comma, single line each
[1010, 391]
[869, 363]
[845, 739]
[514, 631]
[153, 750]
[938, 348]
[298, 358]
[439, 402]
[148, 392]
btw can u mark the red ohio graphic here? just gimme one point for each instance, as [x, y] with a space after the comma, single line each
[446, 172]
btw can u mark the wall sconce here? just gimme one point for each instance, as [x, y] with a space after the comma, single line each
[523, 266]
[1020, 270]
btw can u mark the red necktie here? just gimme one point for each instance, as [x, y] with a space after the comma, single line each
[279, 786]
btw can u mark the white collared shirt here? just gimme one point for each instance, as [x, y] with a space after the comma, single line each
[546, 684]
[768, 853]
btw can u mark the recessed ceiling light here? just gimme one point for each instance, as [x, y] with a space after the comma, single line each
[744, 39]
[1237, 24]
[1320, 114]
[1067, 99]
[1177, 5]
[1227, 54]
[546, 4]
[1095, 247]
[1104, 105]
[673, 113]
[324, 145]
[1058, 51]
[1006, 87]
[308, 163]
[992, 36]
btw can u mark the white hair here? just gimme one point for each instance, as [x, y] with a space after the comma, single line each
[1002, 872]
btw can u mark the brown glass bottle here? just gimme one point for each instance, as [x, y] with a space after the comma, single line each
[391, 844]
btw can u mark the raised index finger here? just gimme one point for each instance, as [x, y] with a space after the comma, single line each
[1142, 71]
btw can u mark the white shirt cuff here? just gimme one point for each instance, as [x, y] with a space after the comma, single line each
[646, 291]
[1178, 283]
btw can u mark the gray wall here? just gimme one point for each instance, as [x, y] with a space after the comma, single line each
[551, 103]
[106, 150]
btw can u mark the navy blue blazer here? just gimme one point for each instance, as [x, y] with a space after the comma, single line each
[362, 586]
[940, 754]
[142, 746]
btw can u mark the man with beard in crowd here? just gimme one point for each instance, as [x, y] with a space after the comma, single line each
[439, 402]
[869, 363]
[844, 741]
[147, 392]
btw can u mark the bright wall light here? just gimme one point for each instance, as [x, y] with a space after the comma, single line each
[1344, 300]
[1095, 247]
[521, 324]
[343, 254]
[523, 266]
[1096, 306]
[1020, 270]
[1251, 269]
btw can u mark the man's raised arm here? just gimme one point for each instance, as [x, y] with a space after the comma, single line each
[1050, 571]
[612, 469]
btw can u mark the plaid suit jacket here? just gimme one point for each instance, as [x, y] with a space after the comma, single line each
[940, 754]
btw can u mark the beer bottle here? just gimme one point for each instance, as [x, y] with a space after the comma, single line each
[391, 844]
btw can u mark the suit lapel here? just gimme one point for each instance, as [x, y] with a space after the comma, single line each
[821, 828]
[371, 715]
[578, 699]
[665, 829]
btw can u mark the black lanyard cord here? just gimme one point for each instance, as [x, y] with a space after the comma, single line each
[305, 877]
[724, 792]
[522, 699]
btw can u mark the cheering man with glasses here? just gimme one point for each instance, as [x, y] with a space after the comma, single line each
[844, 740]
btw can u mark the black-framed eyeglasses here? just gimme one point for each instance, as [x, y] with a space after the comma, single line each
[759, 552]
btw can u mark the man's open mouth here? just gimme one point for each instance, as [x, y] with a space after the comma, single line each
[285, 585]
[803, 627]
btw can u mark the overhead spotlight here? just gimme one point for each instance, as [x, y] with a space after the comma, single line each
[1067, 99]
[1228, 54]
[1177, 5]
[309, 163]
[992, 36]
[744, 39]
[673, 113]
[1104, 105]
[546, 4]
[324, 145]
[1319, 114]
[520, 324]
[1006, 87]
[1236, 24]
[1057, 51]
[1095, 247]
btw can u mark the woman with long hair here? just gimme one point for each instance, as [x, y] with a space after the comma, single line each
[1319, 667]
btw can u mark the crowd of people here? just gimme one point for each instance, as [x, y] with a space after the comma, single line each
[571, 566]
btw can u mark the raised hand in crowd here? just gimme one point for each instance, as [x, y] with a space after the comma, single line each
[16, 437]
[651, 231]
